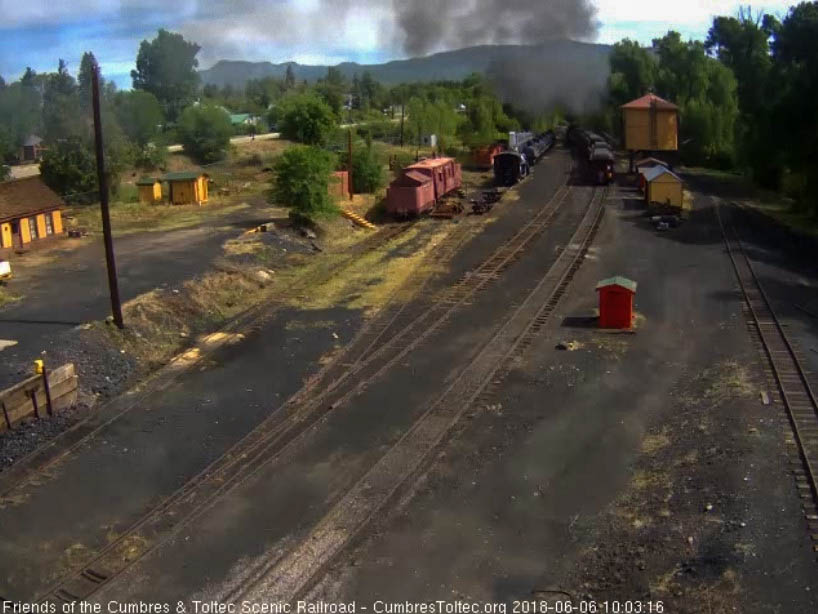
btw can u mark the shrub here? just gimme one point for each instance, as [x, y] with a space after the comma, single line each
[304, 118]
[367, 171]
[302, 176]
[205, 132]
[150, 156]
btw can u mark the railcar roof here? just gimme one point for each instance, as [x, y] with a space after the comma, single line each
[431, 163]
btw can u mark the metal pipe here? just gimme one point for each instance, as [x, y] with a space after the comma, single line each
[113, 284]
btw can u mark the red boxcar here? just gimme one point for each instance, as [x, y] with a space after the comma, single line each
[484, 156]
[421, 185]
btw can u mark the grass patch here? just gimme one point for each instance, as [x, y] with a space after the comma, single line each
[374, 278]
[160, 322]
[775, 205]
[653, 443]
[784, 213]
[728, 380]
[128, 218]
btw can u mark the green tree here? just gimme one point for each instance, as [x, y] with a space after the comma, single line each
[302, 176]
[633, 72]
[437, 117]
[20, 114]
[332, 89]
[140, 115]
[166, 67]
[289, 78]
[61, 106]
[742, 44]
[795, 57]
[69, 168]
[368, 174]
[29, 78]
[205, 131]
[87, 65]
[304, 118]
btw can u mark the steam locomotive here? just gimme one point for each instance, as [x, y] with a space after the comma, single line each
[595, 154]
[525, 149]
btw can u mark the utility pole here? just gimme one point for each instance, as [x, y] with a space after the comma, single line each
[402, 117]
[113, 285]
[349, 166]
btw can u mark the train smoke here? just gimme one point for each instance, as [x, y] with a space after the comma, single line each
[452, 24]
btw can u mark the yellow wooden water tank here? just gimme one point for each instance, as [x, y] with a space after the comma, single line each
[650, 123]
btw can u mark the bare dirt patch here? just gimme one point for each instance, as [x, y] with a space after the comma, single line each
[677, 534]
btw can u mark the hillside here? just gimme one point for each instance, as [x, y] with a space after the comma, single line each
[559, 58]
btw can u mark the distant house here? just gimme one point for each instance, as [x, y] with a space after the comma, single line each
[187, 187]
[243, 119]
[32, 149]
[29, 212]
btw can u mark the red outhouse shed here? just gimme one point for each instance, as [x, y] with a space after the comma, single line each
[616, 302]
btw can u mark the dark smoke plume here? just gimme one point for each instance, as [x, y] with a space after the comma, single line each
[429, 25]
[556, 72]
[563, 73]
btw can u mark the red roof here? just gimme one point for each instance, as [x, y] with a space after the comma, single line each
[410, 177]
[646, 101]
[431, 163]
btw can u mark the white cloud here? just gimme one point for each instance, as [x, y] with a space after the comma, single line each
[670, 12]
[641, 20]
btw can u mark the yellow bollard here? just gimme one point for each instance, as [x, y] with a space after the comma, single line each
[38, 367]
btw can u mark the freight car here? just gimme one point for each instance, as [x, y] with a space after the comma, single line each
[538, 146]
[421, 185]
[483, 157]
[509, 168]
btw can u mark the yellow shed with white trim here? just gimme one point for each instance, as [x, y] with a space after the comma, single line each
[663, 187]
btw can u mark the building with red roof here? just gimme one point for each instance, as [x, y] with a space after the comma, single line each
[650, 123]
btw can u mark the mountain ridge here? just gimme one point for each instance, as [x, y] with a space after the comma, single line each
[552, 57]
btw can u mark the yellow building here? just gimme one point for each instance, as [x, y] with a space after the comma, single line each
[29, 213]
[187, 187]
[650, 124]
[663, 186]
[150, 190]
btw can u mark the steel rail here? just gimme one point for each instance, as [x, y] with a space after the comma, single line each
[289, 576]
[790, 376]
[278, 432]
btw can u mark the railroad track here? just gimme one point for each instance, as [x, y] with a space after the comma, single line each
[788, 374]
[69, 442]
[289, 576]
[374, 351]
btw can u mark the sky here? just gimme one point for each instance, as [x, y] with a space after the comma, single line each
[37, 33]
